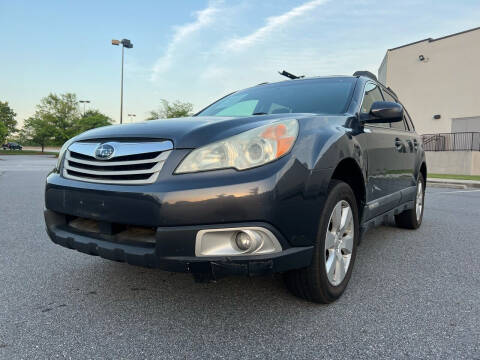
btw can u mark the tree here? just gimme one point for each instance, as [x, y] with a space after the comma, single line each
[7, 118]
[58, 119]
[175, 110]
[40, 130]
[3, 132]
[62, 113]
[91, 120]
[21, 138]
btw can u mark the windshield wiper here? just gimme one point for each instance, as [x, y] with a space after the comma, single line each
[260, 113]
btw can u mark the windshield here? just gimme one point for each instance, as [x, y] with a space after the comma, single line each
[321, 96]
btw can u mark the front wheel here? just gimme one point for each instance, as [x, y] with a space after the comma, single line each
[326, 278]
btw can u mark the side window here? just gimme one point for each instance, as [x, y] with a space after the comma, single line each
[388, 97]
[372, 94]
[407, 125]
[399, 125]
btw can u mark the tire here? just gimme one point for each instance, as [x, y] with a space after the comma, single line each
[412, 218]
[314, 283]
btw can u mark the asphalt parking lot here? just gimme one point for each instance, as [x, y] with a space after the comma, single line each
[413, 294]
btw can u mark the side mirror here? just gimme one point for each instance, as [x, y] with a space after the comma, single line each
[383, 112]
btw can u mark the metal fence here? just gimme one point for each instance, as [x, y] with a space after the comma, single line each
[460, 141]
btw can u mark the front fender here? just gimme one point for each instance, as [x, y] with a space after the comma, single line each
[324, 143]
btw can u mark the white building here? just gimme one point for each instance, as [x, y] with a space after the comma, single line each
[438, 81]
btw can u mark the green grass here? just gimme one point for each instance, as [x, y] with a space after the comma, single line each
[25, 152]
[454, 177]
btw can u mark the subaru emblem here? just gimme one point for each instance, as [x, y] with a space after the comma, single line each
[104, 151]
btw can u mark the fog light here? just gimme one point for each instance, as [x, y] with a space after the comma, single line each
[248, 240]
[236, 241]
[243, 240]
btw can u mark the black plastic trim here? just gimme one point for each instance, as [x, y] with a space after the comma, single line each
[171, 256]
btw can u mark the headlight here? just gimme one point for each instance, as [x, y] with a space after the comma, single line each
[243, 151]
[62, 152]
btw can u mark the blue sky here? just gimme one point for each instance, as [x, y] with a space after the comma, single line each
[197, 51]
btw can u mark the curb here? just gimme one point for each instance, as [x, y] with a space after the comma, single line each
[446, 185]
[452, 183]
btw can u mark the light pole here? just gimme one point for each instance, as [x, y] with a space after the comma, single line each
[84, 102]
[125, 44]
[131, 116]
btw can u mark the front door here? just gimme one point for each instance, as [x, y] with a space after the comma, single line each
[385, 159]
[406, 144]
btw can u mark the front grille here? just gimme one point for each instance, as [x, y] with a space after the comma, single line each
[131, 163]
[120, 233]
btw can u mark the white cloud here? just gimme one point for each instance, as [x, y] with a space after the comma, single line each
[203, 18]
[272, 24]
[199, 53]
[224, 48]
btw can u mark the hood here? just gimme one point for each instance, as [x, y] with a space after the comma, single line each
[185, 133]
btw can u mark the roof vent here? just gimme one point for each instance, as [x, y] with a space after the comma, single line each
[366, 74]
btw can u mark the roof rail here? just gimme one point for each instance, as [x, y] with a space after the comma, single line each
[366, 74]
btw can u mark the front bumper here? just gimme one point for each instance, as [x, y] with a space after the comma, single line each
[283, 193]
[172, 251]
[283, 196]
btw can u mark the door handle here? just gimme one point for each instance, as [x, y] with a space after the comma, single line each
[399, 144]
[411, 146]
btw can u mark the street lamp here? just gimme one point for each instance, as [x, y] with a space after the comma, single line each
[125, 44]
[84, 102]
[131, 116]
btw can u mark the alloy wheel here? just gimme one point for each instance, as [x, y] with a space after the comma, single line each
[339, 242]
[419, 201]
